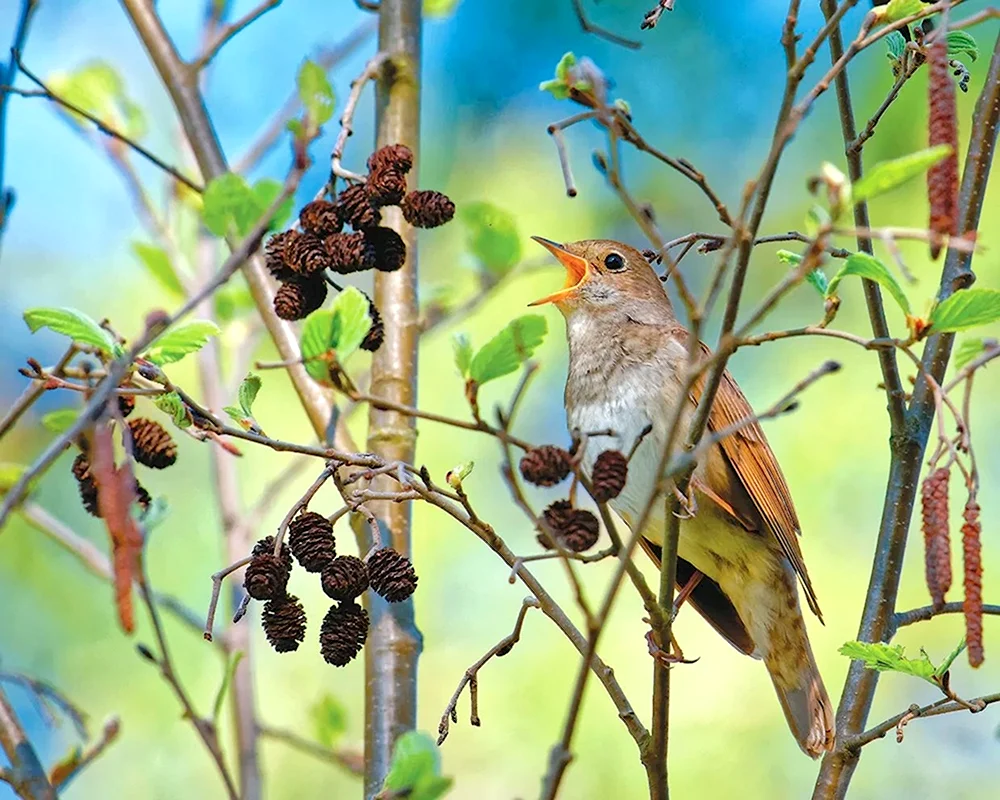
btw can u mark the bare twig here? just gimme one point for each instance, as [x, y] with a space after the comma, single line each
[603, 33]
[32, 393]
[217, 579]
[227, 32]
[353, 761]
[109, 733]
[904, 618]
[369, 73]
[27, 775]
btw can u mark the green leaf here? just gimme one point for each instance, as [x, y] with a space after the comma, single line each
[559, 86]
[97, 88]
[227, 680]
[439, 8]
[961, 43]
[896, 44]
[968, 350]
[72, 323]
[315, 92]
[866, 266]
[340, 328]
[459, 473]
[266, 192]
[510, 348]
[10, 474]
[172, 405]
[61, 420]
[817, 278]
[898, 9]
[296, 128]
[463, 352]
[888, 175]
[315, 342]
[491, 236]
[248, 392]
[158, 265]
[329, 719]
[945, 665]
[177, 342]
[566, 63]
[233, 300]
[889, 658]
[228, 201]
[415, 769]
[966, 308]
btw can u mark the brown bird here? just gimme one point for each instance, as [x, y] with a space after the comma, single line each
[739, 554]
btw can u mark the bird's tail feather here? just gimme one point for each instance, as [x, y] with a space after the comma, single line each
[806, 705]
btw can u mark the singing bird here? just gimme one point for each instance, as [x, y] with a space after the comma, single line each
[739, 554]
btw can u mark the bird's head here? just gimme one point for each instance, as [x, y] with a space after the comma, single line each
[603, 275]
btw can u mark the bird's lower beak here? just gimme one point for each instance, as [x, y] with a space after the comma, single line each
[577, 271]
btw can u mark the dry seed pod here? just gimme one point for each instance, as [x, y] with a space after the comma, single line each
[376, 333]
[937, 543]
[265, 577]
[386, 187]
[427, 209]
[390, 249]
[395, 157]
[350, 252]
[973, 566]
[320, 218]
[297, 298]
[345, 578]
[310, 536]
[545, 466]
[266, 545]
[609, 475]
[356, 209]
[343, 633]
[284, 623]
[152, 446]
[391, 575]
[942, 178]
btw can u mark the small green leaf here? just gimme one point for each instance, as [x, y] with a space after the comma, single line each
[866, 266]
[172, 405]
[97, 88]
[566, 63]
[315, 92]
[896, 44]
[228, 201]
[945, 665]
[888, 175]
[10, 474]
[889, 658]
[329, 719]
[184, 338]
[415, 769]
[510, 348]
[817, 278]
[158, 265]
[968, 350]
[491, 236]
[439, 8]
[961, 43]
[559, 86]
[227, 680]
[240, 417]
[296, 128]
[315, 342]
[340, 328]
[266, 192]
[248, 392]
[966, 308]
[459, 473]
[463, 353]
[72, 323]
[898, 9]
[61, 420]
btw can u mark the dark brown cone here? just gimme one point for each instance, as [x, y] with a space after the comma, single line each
[581, 531]
[306, 255]
[265, 577]
[390, 249]
[545, 466]
[349, 252]
[386, 187]
[942, 127]
[356, 209]
[973, 565]
[266, 545]
[276, 254]
[391, 575]
[343, 633]
[609, 475]
[297, 299]
[126, 404]
[427, 209]
[397, 157]
[320, 218]
[376, 333]
[152, 446]
[310, 535]
[555, 516]
[85, 483]
[344, 578]
[937, 543]
[284, 623]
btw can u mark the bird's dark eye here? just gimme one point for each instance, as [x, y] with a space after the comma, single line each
[614, 262]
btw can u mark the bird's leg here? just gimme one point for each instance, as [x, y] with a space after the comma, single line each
[685, 593]
[674, 656]
[687, 502]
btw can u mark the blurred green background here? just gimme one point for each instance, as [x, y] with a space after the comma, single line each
[705, 86]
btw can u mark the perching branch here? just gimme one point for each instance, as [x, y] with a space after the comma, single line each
[227, 32]
[27, 775]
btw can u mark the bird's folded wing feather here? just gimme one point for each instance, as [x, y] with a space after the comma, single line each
[751, 459]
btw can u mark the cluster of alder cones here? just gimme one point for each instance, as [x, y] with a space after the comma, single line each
[152, 447]
[575, 529]
[299, 259]
[344, 579]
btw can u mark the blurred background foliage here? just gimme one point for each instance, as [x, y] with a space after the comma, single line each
[704, 86]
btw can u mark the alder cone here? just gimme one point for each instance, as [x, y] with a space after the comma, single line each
[937, 542]
[310, 536]
[942, 178]
[390, 249]
[545, 466]
[376, 333]
[284, 623]
[266, 545]
[350, 252]
[972, 562]
[343, 633]
[427, 209]
[391, 575]
[276, 254]
[306, 255]
[297, 298]
[356, 208]
[345, 578]
[395, 157]
[609, 475]
[320, 218]
[152, 446]
[266, 577]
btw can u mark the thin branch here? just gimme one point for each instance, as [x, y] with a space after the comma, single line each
[27, 775]
[227, 32]
[603, 33]
[217, 578]
[351, 761]
[854, 145]
[46, 693]
[369, 73]
[109, 733]
[33, 392]
[904, 618]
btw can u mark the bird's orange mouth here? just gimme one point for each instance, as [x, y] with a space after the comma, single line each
[577, 271]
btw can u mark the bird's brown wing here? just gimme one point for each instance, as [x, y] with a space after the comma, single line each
[750, 458]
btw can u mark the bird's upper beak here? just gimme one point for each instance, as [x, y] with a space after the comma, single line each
[577, 270]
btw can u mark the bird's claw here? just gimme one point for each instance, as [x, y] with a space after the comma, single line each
[662, 656]
[687, 502]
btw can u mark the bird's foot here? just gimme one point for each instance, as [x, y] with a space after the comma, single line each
[685, 593]
[665, 657]
[687, 502]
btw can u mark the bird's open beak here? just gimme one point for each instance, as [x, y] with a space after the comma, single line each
[577, 271]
